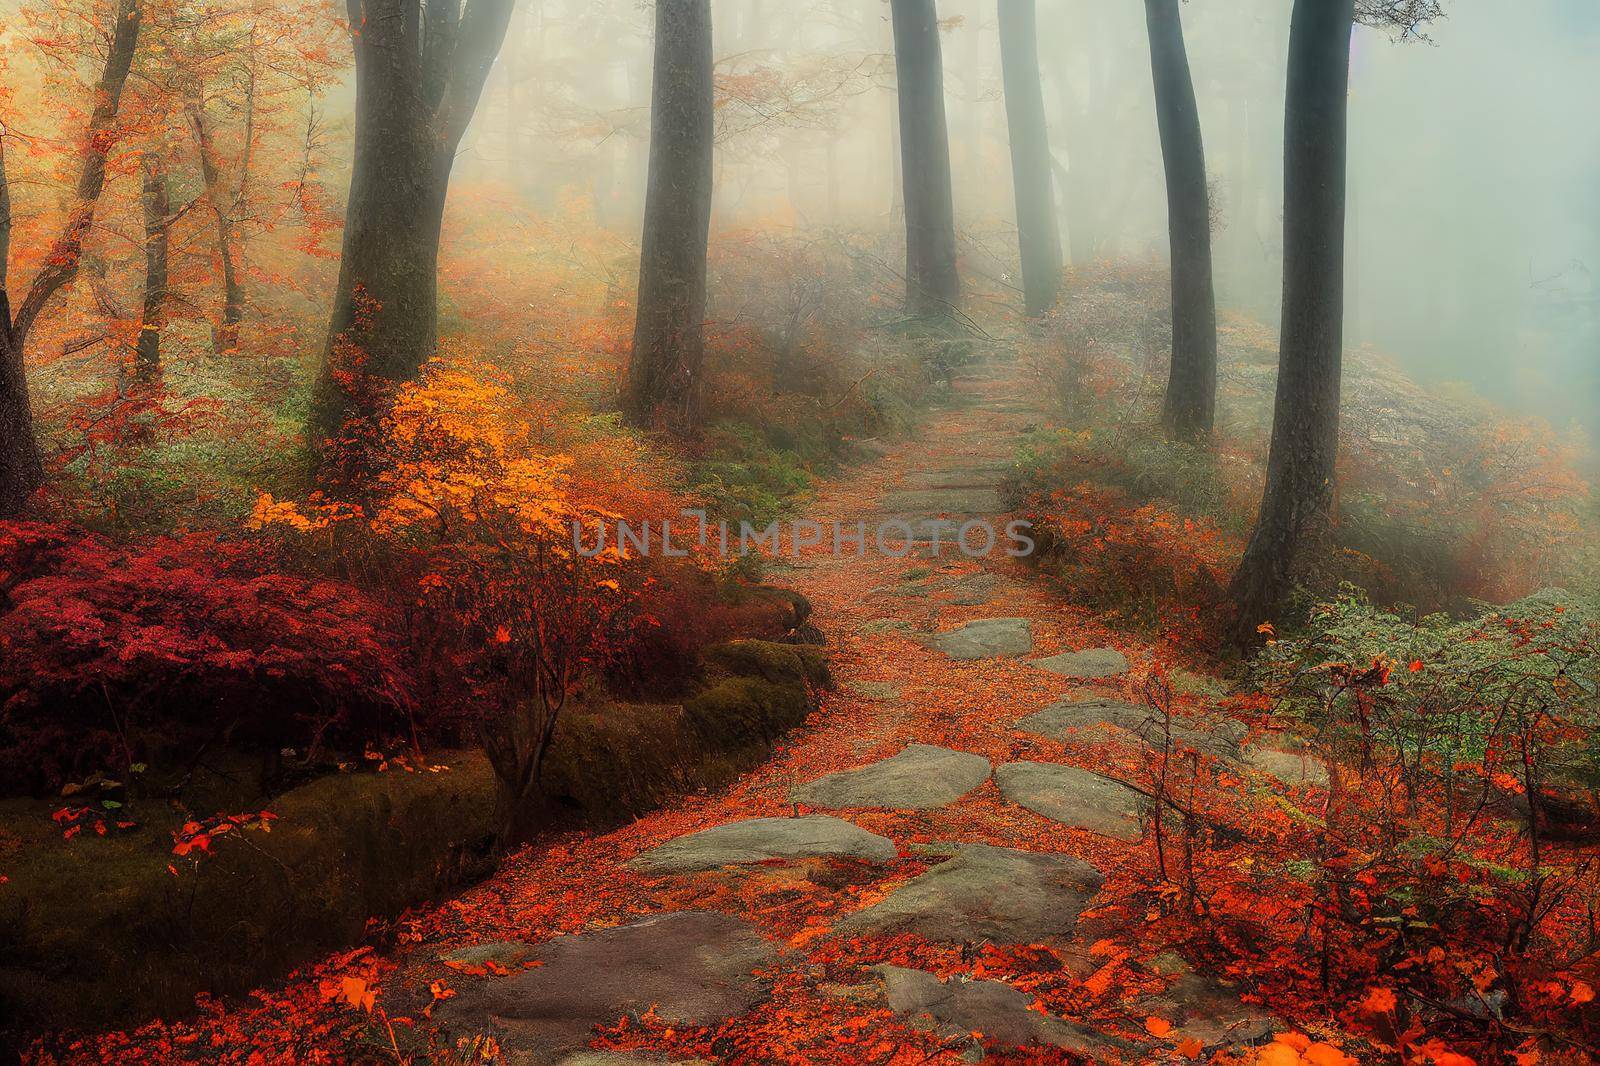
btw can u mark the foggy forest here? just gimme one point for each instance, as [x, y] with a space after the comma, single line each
[893, 532]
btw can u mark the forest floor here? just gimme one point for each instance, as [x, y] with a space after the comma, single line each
[923, 910]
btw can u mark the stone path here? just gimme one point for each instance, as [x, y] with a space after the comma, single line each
[920, 776]
[764, 839]
[856, 883]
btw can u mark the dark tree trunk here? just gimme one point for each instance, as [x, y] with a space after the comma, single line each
[1190, 410]
[932, 285]
[1038, 232]
[225, 336]
[21, 470]
[1296, 509]
[157, 227]
[5, 217]
[664, 386]
[420, 70]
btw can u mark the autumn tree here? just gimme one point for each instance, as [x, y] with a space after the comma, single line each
[1190, 409]
[1296, 510]
[420, 69]
[932, 284]
[664, 386]
[156, 200]
[1038, 232]
[21, 469]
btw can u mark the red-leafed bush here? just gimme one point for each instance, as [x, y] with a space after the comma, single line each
[112, 655]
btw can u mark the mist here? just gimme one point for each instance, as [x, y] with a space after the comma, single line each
[1472, 229]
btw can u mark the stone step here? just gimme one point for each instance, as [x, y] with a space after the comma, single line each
[1079, 719]
[981, 477]
[986, 894]
[958, 501]
[1075, 798]
[968, 1012]
[687, 968]
[1092, 664]
[986, 638]
[756, 840]
[921, 776]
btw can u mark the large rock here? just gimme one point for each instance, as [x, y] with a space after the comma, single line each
[692, 968]
[1210, 1011]
[1295, 770]
[616, 1058]
[979, 477]
[986, 638]
[985, 893]
[1078, 719]
[962, 1010]
[974, 590]
[1090, 665]
[1073, 797]
[761, 839]
[948, 501]
[921, 776]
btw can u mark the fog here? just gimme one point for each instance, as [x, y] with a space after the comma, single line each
[1473, 232]
[1474, 210]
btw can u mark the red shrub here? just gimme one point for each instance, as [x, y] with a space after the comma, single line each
[110, 655]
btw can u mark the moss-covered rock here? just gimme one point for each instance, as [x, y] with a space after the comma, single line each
[782, 664]
[742, 712]
[99, 931]
[103, 931]
[611, 764]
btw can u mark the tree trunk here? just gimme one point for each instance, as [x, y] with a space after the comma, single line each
[664, 387]
[225, 335]
[21, 470]
[157, 226]
[420, 71]
[1190, 410]
[1296, 509]
[5, 217]
[1038, 232]
[932, 285]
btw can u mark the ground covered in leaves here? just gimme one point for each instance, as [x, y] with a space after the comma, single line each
[1196, 936]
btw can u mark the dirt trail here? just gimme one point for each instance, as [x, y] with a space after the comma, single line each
[970, 895]
[787, 932]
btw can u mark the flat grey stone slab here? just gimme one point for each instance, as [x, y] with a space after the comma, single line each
[762, 839]
[1091, 664]
[958, 1008]
[693, 968]
[985, 893]
[507, 954]
[1074, 719]
[958, 501]
[979, 477]
[973, 591]
[925, 529]
[986, 638]
[1075, 798]
[876, 690]
[617, 1058]
[1295, 770]
[919, 777]
[1211, 1012]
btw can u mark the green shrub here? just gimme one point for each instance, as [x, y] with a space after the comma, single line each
[1511, 691]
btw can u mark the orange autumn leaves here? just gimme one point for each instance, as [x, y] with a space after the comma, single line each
[1297, 1049]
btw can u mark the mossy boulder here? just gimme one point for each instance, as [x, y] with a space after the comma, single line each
[98, 932]
[788, 613]
[742, 712]
[781, 664]
[105, 931]
[756, 691]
